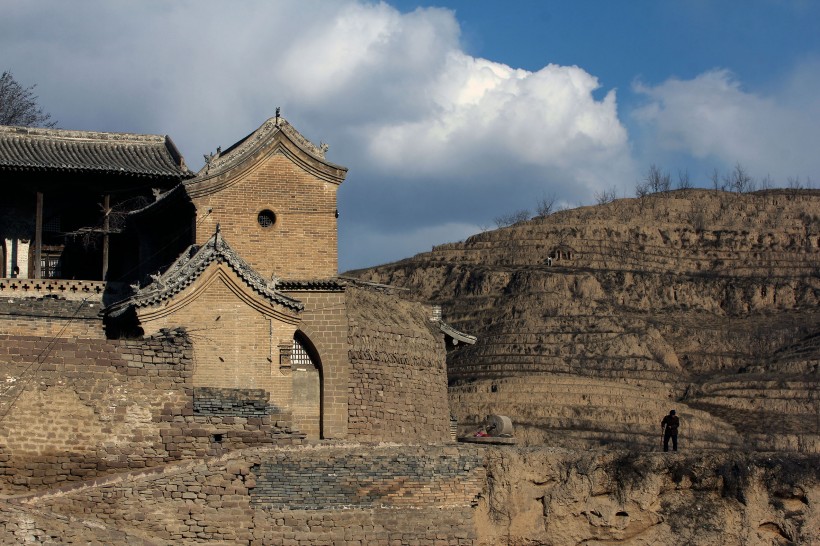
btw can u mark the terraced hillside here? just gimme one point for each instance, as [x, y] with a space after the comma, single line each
[593, 322]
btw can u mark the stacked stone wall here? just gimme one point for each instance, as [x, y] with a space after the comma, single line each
[79, 409]
[398, 385]
[231, 402]
[399, 494]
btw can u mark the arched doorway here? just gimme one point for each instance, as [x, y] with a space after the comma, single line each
[307, 387]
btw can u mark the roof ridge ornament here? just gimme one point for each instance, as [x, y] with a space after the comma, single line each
[278, 111]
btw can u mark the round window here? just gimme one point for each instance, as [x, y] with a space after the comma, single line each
[266, 218]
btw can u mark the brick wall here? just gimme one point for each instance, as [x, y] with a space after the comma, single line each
[300, 244]
[398, 384]
[51, 317]
[235, 345]
[324, 326]
[408, 476]
[398, 494]
[231, 402]
[77, 409]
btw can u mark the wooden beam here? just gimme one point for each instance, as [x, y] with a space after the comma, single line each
[106, 212]
[38, 237]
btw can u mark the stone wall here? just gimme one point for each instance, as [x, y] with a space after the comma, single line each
[231, 402]
[398, 385]
[77, 409]
[362, 495]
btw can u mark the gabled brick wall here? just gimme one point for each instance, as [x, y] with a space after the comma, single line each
[301, 243]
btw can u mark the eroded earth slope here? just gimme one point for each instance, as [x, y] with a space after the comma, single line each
[593, 322]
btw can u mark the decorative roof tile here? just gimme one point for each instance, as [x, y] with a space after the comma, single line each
[448, 330]
[334, 285]
[124, 154]
[276, 135]
[189, 266]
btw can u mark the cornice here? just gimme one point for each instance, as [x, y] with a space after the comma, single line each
[275, 136]
[189, 267]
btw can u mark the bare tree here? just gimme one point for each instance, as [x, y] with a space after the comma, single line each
[546, 205]
[716, 182]
[766, 183]
[657, 180]
[683, 180]
[18, 105]
[641, 190]
[794, 183]
[739, 180]
[512, 218]
[606, 196]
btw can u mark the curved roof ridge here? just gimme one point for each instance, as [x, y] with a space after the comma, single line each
[45, 149]
[223, 160]
[75, 134]
[189, 266]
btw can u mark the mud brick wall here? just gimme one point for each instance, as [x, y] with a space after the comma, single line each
[398, 383]
[217, 499]
[79, 409]
[50, 317]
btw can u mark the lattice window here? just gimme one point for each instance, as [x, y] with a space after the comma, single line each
[50, 266]
[300, 358]
[266, 218]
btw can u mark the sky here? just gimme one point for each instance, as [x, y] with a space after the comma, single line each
[448, 114]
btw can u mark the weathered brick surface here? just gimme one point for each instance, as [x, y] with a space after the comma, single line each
[77, 409]
[22, 526]
[391, 476]
[427, 499]
[324, 327]
[233, 402]
[398, 384]
[51, 316]
[300, 244]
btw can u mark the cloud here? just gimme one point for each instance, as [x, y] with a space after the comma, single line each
[480, 111]
[712, 117]
[441, 136]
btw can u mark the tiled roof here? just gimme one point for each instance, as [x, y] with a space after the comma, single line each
[35, 149]
[324, 285]
[189, 266]
[277, 135]
[456, 334]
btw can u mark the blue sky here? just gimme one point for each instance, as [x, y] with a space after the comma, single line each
[448, 114]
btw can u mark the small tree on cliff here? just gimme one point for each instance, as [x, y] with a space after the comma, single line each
[18, 105]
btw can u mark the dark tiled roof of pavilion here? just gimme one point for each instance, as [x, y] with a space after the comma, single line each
[189, 266]
[124, 154]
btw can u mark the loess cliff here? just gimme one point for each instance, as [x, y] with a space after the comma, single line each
[593, 323]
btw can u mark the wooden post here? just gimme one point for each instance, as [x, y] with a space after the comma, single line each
[106, 212]
[38, 237]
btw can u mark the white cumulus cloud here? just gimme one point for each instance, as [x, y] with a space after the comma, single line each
[713, 117]
[394, 94]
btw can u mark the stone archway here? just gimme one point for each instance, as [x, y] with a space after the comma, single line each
[307, 387]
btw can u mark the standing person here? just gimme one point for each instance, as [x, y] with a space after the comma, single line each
[669, 426]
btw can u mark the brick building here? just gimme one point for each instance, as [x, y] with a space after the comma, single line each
[242, 256]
